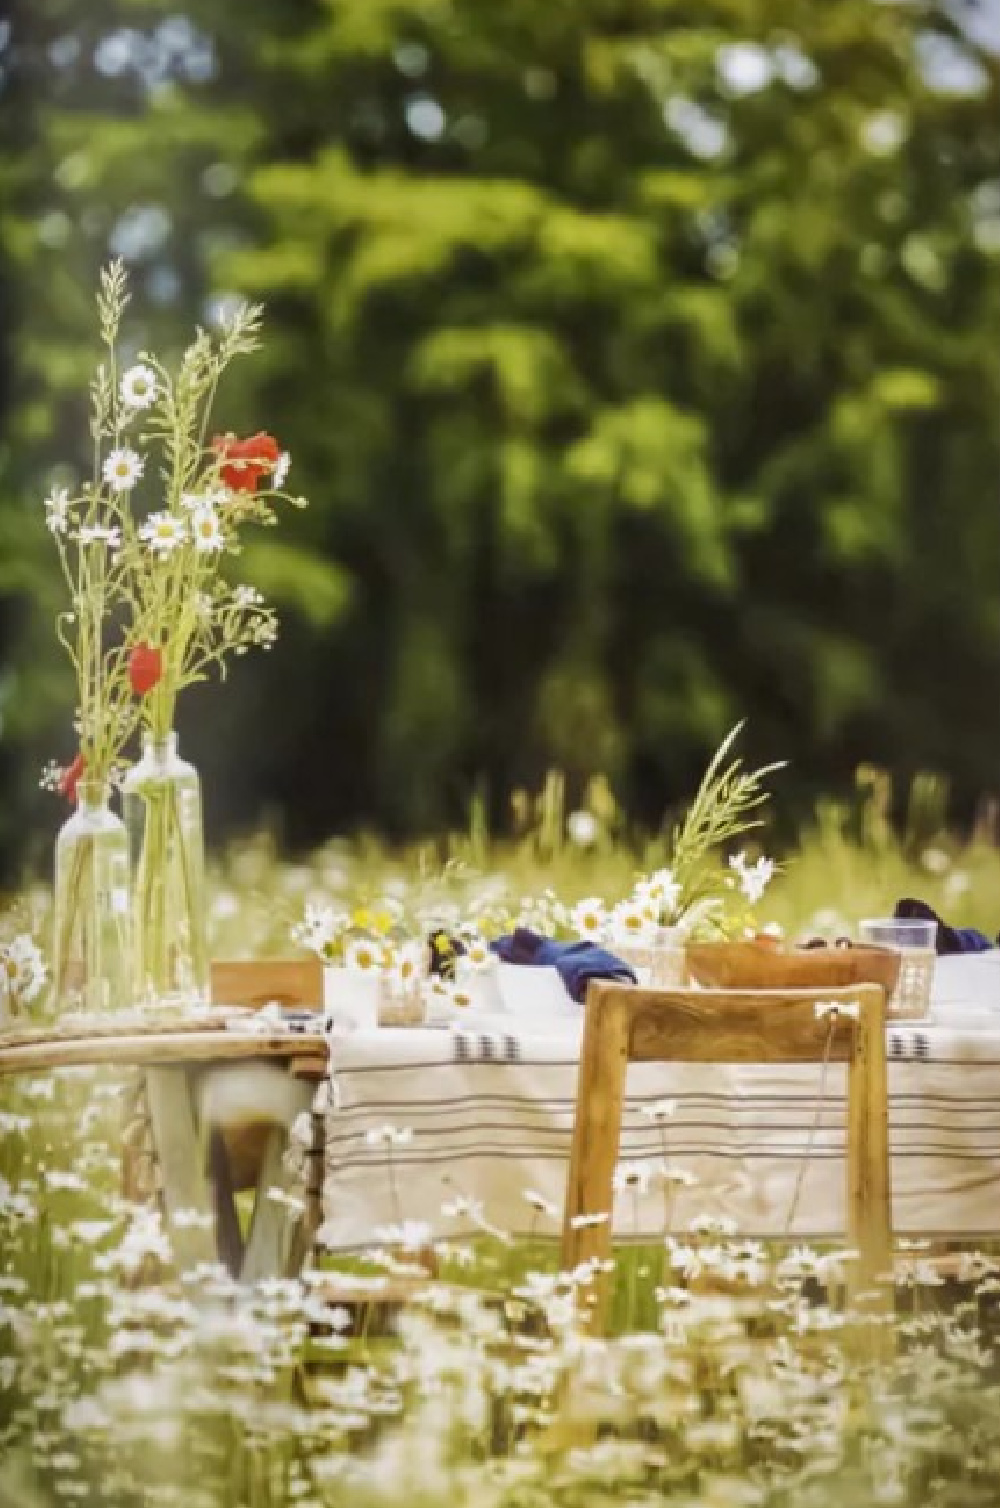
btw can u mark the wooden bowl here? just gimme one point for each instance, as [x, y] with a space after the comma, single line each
[758, 966]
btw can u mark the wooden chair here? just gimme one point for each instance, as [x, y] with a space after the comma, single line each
[624, 1024]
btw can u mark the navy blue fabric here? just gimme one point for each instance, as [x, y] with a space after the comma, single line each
[949, 939]
[578, 962]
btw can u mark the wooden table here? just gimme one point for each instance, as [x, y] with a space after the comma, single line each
[216, 1105]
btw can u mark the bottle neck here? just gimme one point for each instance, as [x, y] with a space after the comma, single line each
[92, 795]
[159, 748]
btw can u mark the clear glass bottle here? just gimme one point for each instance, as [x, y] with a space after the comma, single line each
[90, 951]
[162, 804]
[668, 962]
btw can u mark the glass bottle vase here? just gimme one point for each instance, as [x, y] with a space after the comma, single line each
[90, 950]
[162, 804]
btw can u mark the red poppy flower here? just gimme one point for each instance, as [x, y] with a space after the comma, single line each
[244, 462]
[145, 667]
[70, 777]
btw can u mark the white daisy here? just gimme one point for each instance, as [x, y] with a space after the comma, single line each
[583, 829]
[659, 1110]
[138, 387]
[281, 469]
[57, 510]
[122, 470]
[247, 596]
[212, 497]
[477, 953]
[406, 968]
[100, 534]
[661, 889]
[163, 532]
[634, 1176]
[22, 969]
[389, 1136]
[589, 918]
[754, 879]
[631, 922]
[206, 530]
[364, 955]
[410, 1235]
[320, 928]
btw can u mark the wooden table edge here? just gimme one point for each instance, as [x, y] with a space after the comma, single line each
[149, 1048]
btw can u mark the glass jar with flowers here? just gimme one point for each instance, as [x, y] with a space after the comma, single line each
[153, 613]
[90, 952]
[186, 619]
[373, 970]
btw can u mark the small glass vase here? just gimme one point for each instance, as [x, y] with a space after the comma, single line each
[162, 803]
[668, 964]
[90, 951]
[658, 961]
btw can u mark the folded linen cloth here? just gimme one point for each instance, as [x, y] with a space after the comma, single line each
[949, 939]
[577, 963]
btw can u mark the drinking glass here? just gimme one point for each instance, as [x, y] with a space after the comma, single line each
[914, 939]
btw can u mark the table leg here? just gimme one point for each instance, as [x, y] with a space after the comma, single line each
[181, 1158]
[227, 1221]
[273, 1224]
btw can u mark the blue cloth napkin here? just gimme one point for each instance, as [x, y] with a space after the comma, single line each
[578, 962]
[949, 939]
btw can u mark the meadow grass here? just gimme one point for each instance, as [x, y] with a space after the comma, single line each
[733, 1377]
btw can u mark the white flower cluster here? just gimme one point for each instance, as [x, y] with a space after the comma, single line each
[753, 878]
[22, 973]
[361, 940]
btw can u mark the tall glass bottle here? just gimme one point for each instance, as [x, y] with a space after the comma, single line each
[90, 952]
[162, 804]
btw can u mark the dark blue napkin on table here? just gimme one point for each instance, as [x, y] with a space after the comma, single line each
[949, 939]
[577, 962]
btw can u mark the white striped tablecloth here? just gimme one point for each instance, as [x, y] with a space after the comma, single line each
[491, 1115]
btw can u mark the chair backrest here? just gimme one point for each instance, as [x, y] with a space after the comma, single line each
[625, 1024]
[259, 982]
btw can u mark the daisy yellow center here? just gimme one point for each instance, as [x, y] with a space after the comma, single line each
[366, 958]
[633, 923]
[122, 468]
[165, 530]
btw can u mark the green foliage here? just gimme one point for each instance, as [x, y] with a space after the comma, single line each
[640, 362]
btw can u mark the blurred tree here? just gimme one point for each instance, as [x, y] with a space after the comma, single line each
[640, 360]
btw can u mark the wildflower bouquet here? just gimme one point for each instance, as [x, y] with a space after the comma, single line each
[152, 613]
[186, 618]
[379, 967]
[90, 944]
[704, 890]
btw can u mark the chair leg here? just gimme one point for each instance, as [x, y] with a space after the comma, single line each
[596, 1139]
[869, 1196]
